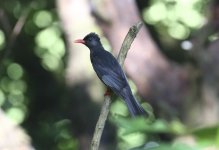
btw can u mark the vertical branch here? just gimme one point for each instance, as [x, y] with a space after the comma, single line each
[13, 36]
[133, 31]
[101, 123]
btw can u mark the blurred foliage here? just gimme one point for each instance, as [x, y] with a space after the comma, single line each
[32, 86]
[140, 131]
[172, 22]
[172, 16]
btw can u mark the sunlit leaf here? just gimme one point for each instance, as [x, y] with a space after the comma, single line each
[207, 135]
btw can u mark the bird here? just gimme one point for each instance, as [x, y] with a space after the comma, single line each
[110, 72]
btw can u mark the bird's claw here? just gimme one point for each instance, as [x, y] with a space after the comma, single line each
[107, 93]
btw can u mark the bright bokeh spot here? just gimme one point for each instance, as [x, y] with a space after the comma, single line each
[46, 38]
[16, 114]
[132, 140]
[186, 45]
[15, 71]
[179, 17]
[58, 49]
[2, 39]
[43, 18]
[119, 108]
[50, 62]
[17, 86]
[178, 31]
[40, 51]
[50, 48]
[156, 13]
[191, 18]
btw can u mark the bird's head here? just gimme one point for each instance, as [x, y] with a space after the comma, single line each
[90, 40]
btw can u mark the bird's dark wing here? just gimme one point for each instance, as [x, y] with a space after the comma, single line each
[109, 71]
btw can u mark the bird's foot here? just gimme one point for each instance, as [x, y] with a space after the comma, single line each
[108, 92]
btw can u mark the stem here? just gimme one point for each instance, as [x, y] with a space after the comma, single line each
[101, 123]
[129, 38]
[13, 36]
[133, 31]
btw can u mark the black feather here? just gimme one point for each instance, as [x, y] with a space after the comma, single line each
[111, 74]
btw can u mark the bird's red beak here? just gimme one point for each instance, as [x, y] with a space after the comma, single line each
[79, 41]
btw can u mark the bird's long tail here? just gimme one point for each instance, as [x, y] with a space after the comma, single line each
[133, 105]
